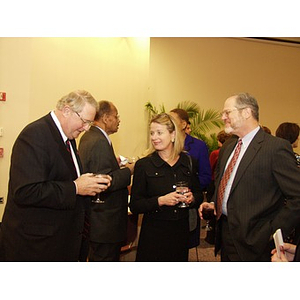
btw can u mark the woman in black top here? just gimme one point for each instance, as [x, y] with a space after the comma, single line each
[165, 228]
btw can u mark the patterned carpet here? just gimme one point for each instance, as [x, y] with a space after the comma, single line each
[205, 251]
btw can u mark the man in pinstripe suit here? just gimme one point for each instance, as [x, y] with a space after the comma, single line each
[263, 191]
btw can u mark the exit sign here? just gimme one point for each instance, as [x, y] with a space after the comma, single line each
[2, 96]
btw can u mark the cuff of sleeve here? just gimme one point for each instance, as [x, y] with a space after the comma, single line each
[76, 187]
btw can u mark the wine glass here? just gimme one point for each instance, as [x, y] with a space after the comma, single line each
[182, 187]
[207, 214]
[98, 200]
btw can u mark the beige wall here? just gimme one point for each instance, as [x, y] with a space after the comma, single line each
[36, 72]
[208, 70]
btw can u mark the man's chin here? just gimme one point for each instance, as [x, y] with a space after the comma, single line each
[77, 133]
[228, 130]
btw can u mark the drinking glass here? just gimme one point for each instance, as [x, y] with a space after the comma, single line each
[98, 200]
[207, 215]
[182, 187]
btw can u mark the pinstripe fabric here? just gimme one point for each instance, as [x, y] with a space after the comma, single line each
[264, 196]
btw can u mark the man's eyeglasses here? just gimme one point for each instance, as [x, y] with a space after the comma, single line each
[84, 122]
[229, 111]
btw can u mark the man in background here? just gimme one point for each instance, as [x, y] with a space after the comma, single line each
[108, 220]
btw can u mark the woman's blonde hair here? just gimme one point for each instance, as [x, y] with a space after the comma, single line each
[169, 121]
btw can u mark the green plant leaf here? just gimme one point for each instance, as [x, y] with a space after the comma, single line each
[191, 108]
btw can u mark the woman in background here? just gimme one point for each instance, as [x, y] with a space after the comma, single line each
[165, 228]
[290, 131]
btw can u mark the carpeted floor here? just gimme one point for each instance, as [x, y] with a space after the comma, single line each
[205, 251]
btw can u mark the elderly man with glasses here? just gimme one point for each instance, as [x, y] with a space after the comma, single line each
[48, 193]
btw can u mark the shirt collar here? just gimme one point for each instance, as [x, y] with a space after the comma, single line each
[249, 137]
[105, 134]
[57, 123]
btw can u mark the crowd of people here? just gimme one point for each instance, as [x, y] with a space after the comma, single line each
[66, 204]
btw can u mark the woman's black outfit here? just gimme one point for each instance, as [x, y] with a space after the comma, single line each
[164, 233]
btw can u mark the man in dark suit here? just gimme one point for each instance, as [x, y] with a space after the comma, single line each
[108, 219]
[263, 190]
[44, 215]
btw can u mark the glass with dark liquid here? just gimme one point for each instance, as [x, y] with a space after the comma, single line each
[207, 215]
[98, 200]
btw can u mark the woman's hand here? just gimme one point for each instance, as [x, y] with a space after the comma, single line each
[173, 198]
[287, 253]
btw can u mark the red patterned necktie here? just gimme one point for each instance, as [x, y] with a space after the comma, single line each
[226, 177]
[68, 145]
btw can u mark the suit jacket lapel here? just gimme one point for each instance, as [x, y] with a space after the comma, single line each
[249, 155]
[109, 145]
[74, 146]
[62, 147]
[114, 155]
[227, 152]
